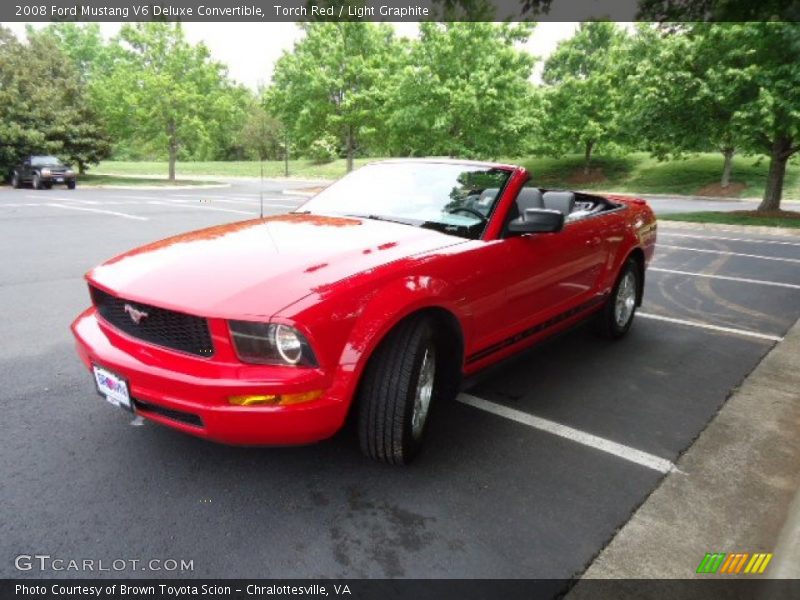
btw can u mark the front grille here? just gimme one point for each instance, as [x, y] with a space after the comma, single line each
[159, 326]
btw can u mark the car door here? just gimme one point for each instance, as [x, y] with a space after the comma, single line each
[25, 173]
[549, 274]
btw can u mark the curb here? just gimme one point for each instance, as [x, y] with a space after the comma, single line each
[298, 193]
[735, 488]
[758, 229]
[786, 564]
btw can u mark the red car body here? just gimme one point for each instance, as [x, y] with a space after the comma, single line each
[345, 283]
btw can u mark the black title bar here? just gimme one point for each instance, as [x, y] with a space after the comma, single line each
[398, 10]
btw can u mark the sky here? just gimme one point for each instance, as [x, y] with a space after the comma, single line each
[251, 49]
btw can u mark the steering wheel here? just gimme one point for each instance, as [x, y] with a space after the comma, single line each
[471, 211]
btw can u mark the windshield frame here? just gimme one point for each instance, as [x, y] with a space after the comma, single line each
[476, 230]
[46, 160]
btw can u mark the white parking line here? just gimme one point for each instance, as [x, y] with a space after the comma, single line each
[707, 251]
[709, 326]
[633, 455]
[725, 239]
[201, 207]
[791, 286]
[97, 210]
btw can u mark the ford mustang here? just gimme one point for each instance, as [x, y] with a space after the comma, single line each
[373, 299]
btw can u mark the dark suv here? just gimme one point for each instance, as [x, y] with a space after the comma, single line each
[42, 172]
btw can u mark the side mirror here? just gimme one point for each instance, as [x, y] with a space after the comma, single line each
[538, 220]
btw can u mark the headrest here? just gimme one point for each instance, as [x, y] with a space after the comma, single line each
[560, 201]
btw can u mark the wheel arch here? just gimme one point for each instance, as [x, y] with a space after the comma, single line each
[637, 255]
[450, 340]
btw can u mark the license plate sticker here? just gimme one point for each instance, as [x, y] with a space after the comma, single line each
[113, 387]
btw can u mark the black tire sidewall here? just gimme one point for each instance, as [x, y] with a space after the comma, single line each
[614, 328]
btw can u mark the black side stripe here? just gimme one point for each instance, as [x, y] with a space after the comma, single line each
[518, 337]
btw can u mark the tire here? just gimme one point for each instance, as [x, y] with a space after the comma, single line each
[36, 182]
[396, 392]
[616, 318]
[16, 182]
[71, 185]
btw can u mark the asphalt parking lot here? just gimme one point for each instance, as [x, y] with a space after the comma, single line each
[529, 475]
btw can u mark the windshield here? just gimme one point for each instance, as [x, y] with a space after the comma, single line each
[42, 161]
[457, 199]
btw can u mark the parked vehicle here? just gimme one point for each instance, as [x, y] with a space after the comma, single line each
[376, 296]
[43, 172]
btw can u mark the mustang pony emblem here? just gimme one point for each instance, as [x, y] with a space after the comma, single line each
[135, 314]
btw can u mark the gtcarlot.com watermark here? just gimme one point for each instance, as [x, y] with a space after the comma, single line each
[48, 563]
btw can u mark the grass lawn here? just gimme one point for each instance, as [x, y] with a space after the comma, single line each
[640, 173]
[634, 173]
[97, 179]
[781, 218]
[301, 169]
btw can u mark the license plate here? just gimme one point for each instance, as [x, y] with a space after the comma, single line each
[59, 179]
[113, 387]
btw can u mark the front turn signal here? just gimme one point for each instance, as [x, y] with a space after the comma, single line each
[274, 399]
[267, 399]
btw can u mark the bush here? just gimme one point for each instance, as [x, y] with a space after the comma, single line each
[323, 150]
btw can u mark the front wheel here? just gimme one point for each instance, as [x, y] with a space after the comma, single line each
[36, 182]
[71, 185]
[616, 318]
[16, 183]
[396, 393]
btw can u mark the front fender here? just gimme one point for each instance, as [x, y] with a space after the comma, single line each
[377, 313]
[392, 304]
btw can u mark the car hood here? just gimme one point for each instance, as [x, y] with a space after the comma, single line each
[256, 268]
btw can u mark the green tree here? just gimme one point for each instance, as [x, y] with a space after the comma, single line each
[681, 97]
[332, 83]
[167, 93]
[262, 135]
[765, 59]
[56, 117]
[583, 90]
[463, 91]
[83, 43]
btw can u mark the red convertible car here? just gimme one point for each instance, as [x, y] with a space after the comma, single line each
[374, 297]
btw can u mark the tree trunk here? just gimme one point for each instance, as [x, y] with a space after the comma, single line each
[349, 148]
[727, 167]
[779, 156]
[286, 153]
[587, 156]
[173, 150]
[81, 168]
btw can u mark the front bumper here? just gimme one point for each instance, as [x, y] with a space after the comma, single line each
[57, 178]
[191, 394]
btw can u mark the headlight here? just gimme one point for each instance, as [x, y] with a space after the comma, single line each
[271, 343]
[69, 172]
[45, 172]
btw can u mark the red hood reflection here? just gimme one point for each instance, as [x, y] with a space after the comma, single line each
[256, 268]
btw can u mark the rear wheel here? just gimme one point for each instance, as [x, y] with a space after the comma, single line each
[617, 315]
[396, 393]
